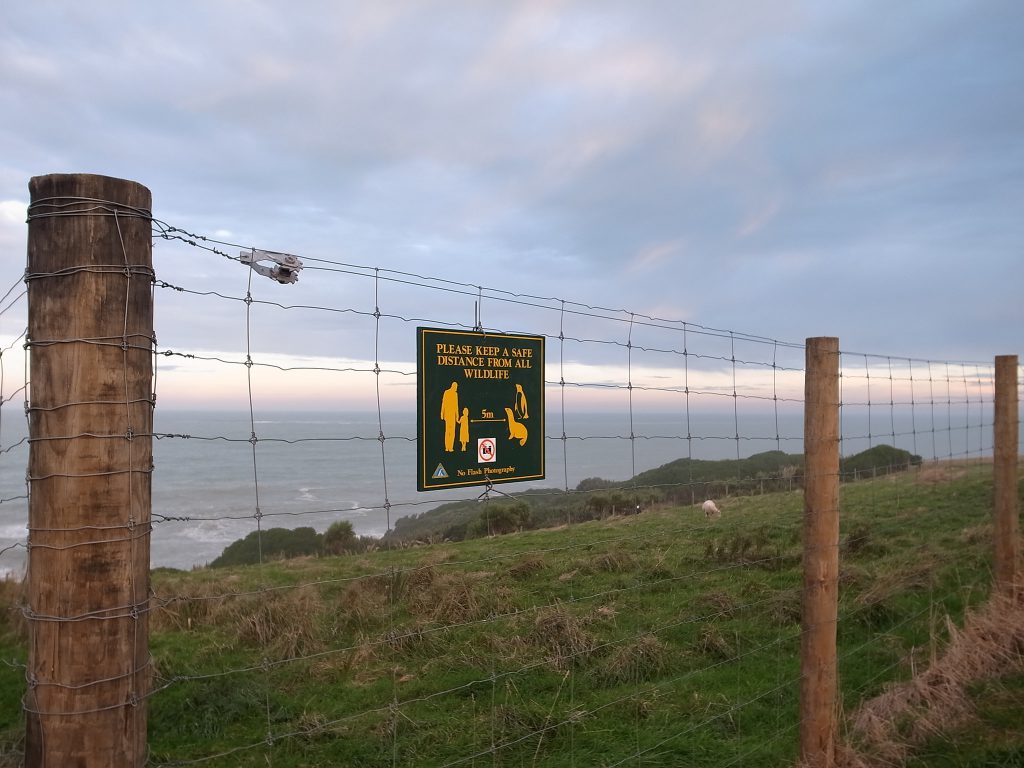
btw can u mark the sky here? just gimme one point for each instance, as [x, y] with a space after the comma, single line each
[782, 169]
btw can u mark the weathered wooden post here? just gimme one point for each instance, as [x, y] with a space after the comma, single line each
[90, 338]
[818, 672]
[1004, 474]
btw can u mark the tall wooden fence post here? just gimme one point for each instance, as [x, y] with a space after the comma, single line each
[90, 338]
[818, 672]
[1004, 474]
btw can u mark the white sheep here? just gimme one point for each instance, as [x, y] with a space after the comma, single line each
[711, 511]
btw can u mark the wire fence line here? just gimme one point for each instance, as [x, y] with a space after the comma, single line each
[628, 393]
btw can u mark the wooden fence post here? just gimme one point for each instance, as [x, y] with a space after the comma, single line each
[818, 672]
[90, 339]
[1004, 474]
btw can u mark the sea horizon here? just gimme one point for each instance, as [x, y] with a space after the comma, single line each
[313, 467]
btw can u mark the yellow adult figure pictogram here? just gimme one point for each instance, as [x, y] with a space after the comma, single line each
[450, 415]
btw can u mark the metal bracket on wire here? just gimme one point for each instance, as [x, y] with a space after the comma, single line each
[489, 489]
[285, 268]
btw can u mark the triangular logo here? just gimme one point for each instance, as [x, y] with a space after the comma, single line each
[439, 473]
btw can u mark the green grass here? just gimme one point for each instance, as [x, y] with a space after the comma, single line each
[661, 634]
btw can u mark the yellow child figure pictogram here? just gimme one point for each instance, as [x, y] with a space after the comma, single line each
[464, 428]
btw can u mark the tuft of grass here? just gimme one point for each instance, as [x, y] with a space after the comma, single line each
[712, 642]
[455, 600]
[786, 609]
[526, 566]
[411, 586]
[899, 579]
[757, 548]
[717, 602]
[562, 636]
[286, 624]
[360, 608]
[640, 660]
[614, 561]
[411, 640]
[860, 541]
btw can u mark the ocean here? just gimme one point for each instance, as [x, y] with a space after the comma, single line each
[315, 468]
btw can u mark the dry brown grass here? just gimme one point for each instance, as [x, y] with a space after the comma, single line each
[942, 472]
[360, 606]
[885, 730]
[456, 597]
[455, 600]
[526, 566]
[606, 613]
[716, 603]
[713, 643]
[287, 624]
[562, 636]
[614, 561]
[193, 604]
[640, 660]
[501, 645]
[409, 640]
[786, 609]
[912, 576]
[412, 586]
[977, 534]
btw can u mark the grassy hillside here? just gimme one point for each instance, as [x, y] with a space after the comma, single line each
[661, 635]
[682, 481]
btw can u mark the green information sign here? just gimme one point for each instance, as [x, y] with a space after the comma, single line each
[480, 413]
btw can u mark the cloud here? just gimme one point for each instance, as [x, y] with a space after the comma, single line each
[782, 170]
[654, 255]
[12, 230]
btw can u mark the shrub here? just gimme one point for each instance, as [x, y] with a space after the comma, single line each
[499, 519]
[272, 543]
[340, 537]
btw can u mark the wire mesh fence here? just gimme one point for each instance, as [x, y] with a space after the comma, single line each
[607, 615]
